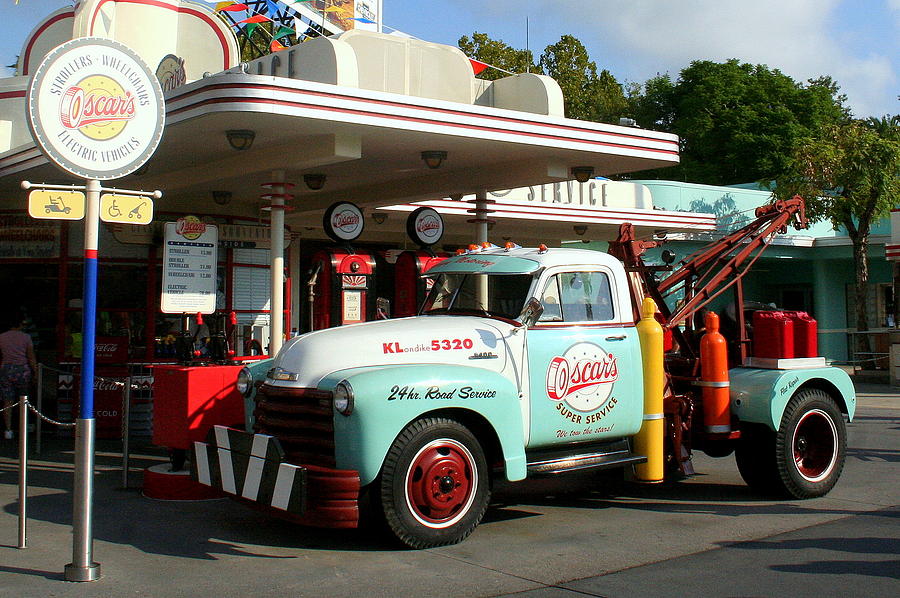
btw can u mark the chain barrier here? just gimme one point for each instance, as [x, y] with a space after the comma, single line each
[34, 410]
[8, 407]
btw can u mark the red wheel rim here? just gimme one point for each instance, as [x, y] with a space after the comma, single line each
[441, 482]
[815, 445]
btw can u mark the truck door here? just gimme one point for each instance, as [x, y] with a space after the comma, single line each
[584, 362]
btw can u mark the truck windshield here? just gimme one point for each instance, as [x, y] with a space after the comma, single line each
[480, 294]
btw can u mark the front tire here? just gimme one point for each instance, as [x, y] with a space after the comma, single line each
[434, 483]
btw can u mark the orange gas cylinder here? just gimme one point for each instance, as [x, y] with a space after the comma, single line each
[714, 378]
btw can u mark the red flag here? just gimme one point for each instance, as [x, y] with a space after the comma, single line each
[231, 7]
[478, 66]
[276, 46]
[255, 19]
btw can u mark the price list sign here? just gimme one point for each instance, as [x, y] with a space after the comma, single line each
[189, 267]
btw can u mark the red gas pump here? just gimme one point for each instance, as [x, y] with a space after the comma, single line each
[343, 287]
[425, 227]
[341, 282]
[409, 286]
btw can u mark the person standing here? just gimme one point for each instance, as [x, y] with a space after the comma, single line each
[17, 368]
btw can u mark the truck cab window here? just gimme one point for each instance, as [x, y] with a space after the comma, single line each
[459, 294]
[578, 297]
[550, 301]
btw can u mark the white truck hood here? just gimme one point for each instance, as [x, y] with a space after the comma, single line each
[463, 340]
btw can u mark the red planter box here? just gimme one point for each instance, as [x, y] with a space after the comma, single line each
[189, 400]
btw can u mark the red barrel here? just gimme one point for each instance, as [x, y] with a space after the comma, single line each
[773, 335]
[806, 341]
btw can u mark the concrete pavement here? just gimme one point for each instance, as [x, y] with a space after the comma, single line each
[591, 537]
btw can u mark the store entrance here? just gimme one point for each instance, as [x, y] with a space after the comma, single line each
[32, 289]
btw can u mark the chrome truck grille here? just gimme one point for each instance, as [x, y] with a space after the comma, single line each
[301, 419]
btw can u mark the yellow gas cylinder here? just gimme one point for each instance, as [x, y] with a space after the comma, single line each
[714, 378]
[649, 441]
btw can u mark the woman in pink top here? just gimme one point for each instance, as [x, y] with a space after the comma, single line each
[17, 368]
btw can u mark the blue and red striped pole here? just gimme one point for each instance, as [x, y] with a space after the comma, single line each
[83, 567]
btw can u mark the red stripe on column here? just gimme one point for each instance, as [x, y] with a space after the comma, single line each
[90, 254]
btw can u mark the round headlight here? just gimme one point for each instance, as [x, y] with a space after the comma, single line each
[244, 382]
[343, 398]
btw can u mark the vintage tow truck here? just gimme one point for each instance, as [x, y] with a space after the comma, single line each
[531, 362]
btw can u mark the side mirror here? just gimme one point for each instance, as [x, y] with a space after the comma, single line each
[531, 312]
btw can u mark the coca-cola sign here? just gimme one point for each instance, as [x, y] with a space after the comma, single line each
[425, 226]
[583, 377]
[343, 221]
[95, 109]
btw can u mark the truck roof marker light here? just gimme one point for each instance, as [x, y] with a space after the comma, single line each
[542, 248]
[460, 251]
[509, 245]
[473, 247]
[486, 245]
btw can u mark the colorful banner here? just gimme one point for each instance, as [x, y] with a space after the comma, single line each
[336, 16]
[255, 19]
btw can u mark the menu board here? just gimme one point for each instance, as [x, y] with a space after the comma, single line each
[189, 267]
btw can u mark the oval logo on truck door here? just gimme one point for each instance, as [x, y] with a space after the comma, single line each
[583, 377]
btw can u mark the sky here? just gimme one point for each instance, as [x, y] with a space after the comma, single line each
[856, 42]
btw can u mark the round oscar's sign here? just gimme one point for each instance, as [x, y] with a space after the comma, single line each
[343, 221]
[95, 109]
[425, 226]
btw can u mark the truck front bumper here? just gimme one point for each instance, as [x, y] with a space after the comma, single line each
[252, 467]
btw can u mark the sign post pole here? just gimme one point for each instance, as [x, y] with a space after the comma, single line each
[83, 567]
[82, 96]
[276, 313]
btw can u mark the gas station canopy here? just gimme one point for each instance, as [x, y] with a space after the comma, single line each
[349, 114]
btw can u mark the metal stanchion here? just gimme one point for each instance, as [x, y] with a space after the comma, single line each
[126, 431]
[23, 465]
[38, 403]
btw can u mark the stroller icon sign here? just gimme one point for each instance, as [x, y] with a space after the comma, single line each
[126, 209]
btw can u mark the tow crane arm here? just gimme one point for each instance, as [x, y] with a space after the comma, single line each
[710, 271]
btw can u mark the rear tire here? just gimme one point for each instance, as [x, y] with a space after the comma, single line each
[805, 457]
[434, 483]
[811, 444]
[755, 457]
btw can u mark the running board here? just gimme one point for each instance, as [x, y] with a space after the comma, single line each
[618, 455]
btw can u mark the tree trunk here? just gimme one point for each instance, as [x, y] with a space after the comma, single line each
[861, 263]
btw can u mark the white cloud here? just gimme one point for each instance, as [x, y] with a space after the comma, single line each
[793, 36]
[802, 38]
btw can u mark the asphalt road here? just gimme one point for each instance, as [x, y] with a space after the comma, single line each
[709, 535]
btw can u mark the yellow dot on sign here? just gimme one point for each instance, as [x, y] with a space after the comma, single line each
[102, 85]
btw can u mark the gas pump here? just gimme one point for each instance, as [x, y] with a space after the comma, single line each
[341, 281]
[425, 227]
[343, 287]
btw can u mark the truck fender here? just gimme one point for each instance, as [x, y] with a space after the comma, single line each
[387, 399]
[761, 395]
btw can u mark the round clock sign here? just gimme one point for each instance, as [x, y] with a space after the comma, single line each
[95, 109]
[343, 221]
[425, 226]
